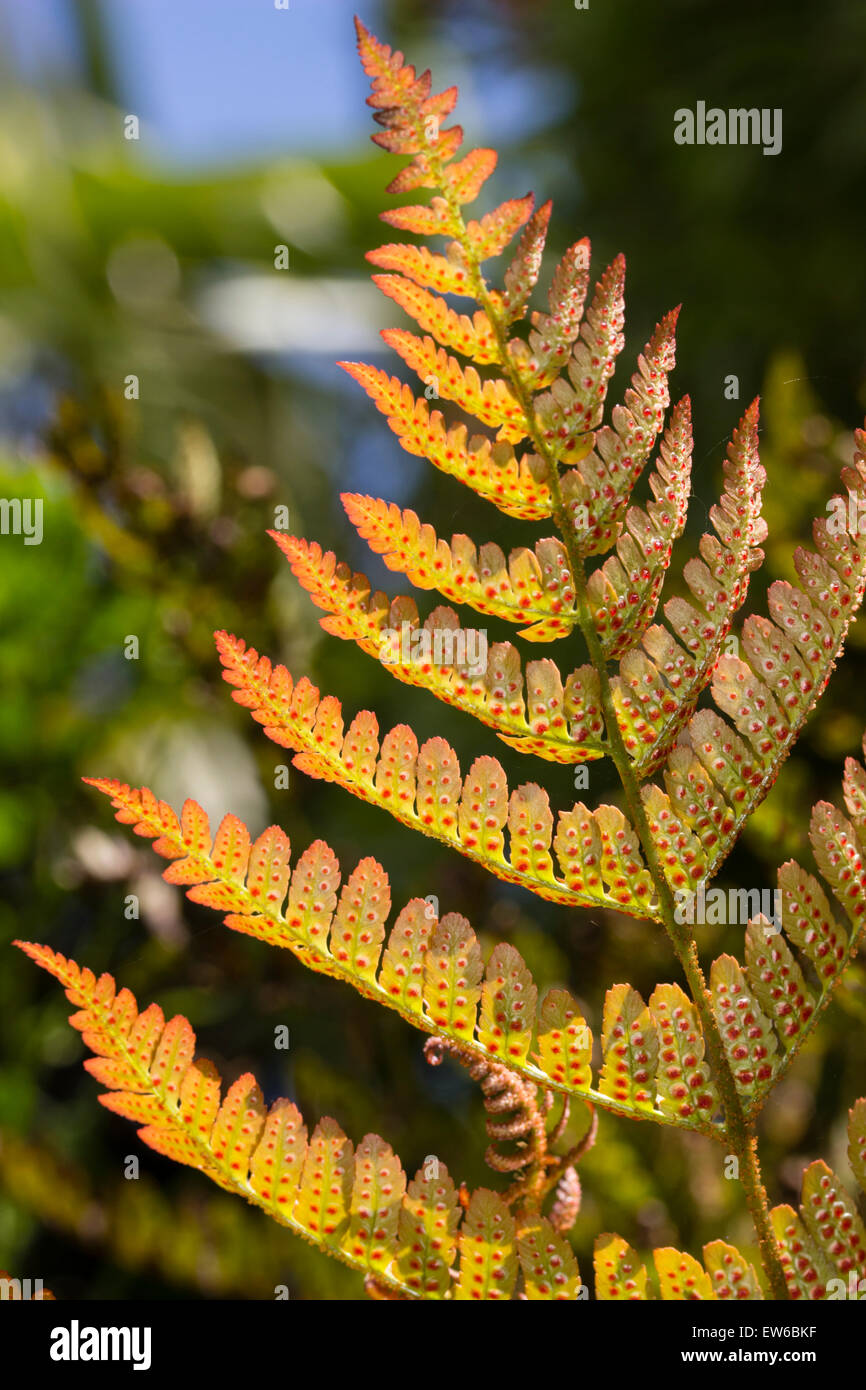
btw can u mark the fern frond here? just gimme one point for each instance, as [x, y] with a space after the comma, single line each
[660, 681]
[766, 1007]
[570, 409]
[624, 592]
[524, 269]
[619, 1274]
[533, 711]
[488, 1251]
[548, 1264]
[597, 851]
[490, 234]
[725, 1273]
[857, 1141]
[714, 777]
[553, 335]
[427, 1234]
[347, 1203]
[597, 493]
[532, 585]
[746, 1031]
[428, 970]
[517, 486]
[473, 338]
[681, 1276]
[731, 1274]
[684, 1082]
[490, 400]
[630, 1046]
[826, 1240]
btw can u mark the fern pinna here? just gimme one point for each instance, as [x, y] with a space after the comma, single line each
[703, 1058]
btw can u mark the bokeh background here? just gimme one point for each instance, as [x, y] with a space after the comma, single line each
[155, 257]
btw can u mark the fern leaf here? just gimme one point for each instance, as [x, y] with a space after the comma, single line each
[421, 266]
[522, 274]
[473, 338]
[681, 1276]
[684, 1081]
[681, 852]
[508, 1002]
[725, 1273]
[435, 219]
[550, 1270]
[569, 411]
[377, 1200]
[564, 1041]
[730, 1273]
[826, 1240]
[295, 717]
[661, 680]
[428, 1221]
[402, 973]
[356, 1209]
[776, 980]
[630, 1046]
[517, 486]
[809, 921]
[821, 1246]
[624, 592]
[488, 1255]
[453, 973]
[534, 585]
[747, 1034]
[857, 1141]
[598, 493]
[490, 234]
[465, 179]
[491, 401]
[431, 972]
[833, 1221]
[529, 710]
[553, 335]
[619, 1273]
[807, 1271]
[767, 1011]
[794, 655]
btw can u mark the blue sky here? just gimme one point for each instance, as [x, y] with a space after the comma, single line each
[224, 81]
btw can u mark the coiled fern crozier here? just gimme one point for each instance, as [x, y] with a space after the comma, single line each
[702, 1057]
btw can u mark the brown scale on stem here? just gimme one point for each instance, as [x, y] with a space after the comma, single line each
[517, 1112]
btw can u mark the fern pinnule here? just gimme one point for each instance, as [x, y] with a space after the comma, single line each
[597, 851]
[317, 1186]
[515, 484]
[427, 969]
[532, 584]
[822, 1249]
[532, 708]
[624, 591]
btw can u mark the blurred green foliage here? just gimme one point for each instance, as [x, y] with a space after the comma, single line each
[154, 520]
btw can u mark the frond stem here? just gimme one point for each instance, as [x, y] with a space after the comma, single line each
[739, 1129]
